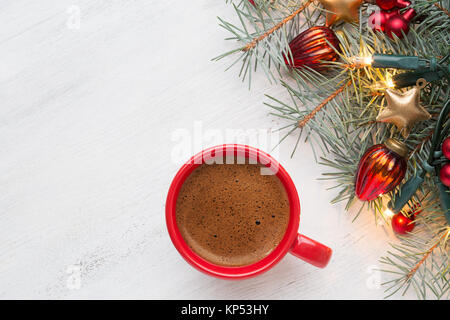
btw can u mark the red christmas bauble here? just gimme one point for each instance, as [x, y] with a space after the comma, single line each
[398, 23]
[252, 2]
[446, 148]
[378, 19]
[312, 47]
[402, 3]
[444, 174]
[386, 4]
[402, 224]
[391, 4]
[380, 170]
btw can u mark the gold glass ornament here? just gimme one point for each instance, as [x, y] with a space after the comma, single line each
[404, 109]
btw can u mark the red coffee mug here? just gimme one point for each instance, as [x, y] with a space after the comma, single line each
[299, 245]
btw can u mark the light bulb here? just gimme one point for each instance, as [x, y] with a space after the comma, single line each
[361, 62]
[390, 83]
[388, 213]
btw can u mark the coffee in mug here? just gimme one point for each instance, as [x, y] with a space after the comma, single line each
[232, 214]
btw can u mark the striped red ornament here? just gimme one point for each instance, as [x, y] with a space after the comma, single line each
[381, 168]
[313, 48]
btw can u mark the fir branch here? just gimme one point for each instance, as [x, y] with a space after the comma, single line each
[254, 42]
[264, 32]
[312, 114]
[443, 9]
[421, 144]
[427, 253]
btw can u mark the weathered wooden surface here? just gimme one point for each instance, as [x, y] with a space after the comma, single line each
[94, 97]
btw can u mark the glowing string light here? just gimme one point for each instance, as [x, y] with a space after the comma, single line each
[388, 213]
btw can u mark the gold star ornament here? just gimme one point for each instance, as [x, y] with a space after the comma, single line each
[346, 10]
[403, 109]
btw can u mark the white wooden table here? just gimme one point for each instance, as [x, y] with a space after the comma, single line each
[94, 97]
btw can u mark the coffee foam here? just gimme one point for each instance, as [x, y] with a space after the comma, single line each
[230, 214]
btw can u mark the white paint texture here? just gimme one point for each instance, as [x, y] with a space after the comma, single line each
[91, 93]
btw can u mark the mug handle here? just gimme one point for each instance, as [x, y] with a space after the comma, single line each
[311, 251]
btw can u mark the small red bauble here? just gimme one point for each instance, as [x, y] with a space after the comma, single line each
[312, 47]
[402, 4]
[446, 148]
[398, 23]
[252, 2]
[380, 170]
[386, 4]
[392, 22]
[391, 4]
[444, 174]
[402, 224]
[378, 19]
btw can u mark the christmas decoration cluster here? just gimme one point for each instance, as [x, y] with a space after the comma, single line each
[377, 72]
[390, 20]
